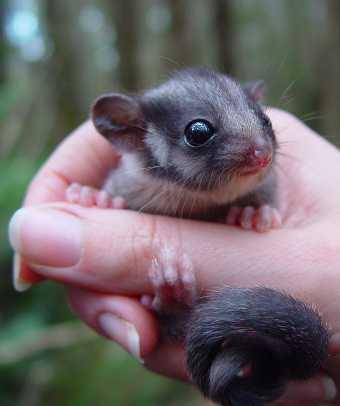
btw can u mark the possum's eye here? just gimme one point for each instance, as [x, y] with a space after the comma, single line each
[198, 132]
[266, 120]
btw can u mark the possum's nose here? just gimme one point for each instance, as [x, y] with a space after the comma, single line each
[256, 154]
[259, 158]
[259, 154]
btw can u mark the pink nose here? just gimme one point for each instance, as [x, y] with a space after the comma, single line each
[259, 155]
[259, 158]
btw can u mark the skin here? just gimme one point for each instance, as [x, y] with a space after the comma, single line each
[117, 246]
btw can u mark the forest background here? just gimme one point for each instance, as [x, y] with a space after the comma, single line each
[55, 58]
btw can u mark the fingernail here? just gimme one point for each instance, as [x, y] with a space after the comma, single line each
[330, 388]
[46, 236]
[20, 285]
[122, 332]
[23, 276]
[320, 388]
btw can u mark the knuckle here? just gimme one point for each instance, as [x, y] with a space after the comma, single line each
[141, 240]
[147, 238]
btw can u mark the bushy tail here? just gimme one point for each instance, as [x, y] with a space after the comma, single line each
[244, 344]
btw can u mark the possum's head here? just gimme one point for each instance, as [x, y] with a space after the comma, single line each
[199, 128]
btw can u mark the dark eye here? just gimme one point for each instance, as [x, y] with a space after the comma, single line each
[198, 132]
[265, 120]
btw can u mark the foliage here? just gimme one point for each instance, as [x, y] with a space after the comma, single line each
[56, 58]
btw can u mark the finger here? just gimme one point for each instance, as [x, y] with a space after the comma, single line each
[112, 250]
[307, 166]
[84, 157]
[168, 359]
[320, 388]
[122, 319]
[129, 324]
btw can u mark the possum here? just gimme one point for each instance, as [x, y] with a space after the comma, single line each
[199, 146]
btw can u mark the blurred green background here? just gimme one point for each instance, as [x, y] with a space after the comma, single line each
[56, 57]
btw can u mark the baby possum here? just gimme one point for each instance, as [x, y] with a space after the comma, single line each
[199, 146]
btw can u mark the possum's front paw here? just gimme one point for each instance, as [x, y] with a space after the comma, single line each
[88, 196]
[261, 219]
[174, 283]
[175, 293]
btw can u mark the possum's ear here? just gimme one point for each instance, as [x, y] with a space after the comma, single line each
[255, 89]
[119, 119]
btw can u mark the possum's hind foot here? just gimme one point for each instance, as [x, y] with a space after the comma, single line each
[174, 283]
[88, 196]
[261, 219]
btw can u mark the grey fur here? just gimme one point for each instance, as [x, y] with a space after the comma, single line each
[278, 335]
[165, 176]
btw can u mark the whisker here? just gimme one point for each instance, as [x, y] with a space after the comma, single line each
[136, 126]
[186, 196]
[312, 116]
[280, 67]
[170, 60]
[285, 93]
[149, 168]
[199, 188]
[287, 102]
[281, 168]
[285, 155]
[159, 195]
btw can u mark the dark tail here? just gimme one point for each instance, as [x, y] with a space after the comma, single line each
[244, 344]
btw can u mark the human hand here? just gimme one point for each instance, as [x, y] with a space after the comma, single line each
[105, 255]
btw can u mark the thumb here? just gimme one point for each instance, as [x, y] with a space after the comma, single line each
[108, 250]
[111, 250]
